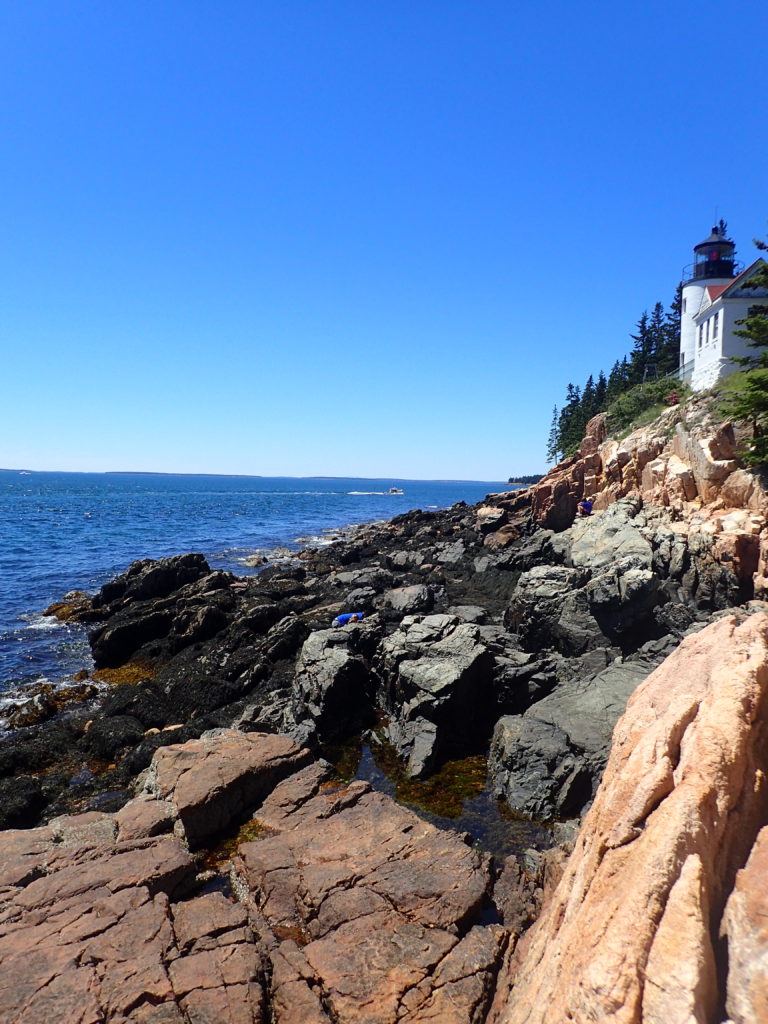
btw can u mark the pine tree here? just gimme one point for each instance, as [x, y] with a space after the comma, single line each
[615, 383]
[641, 351]
[588, 410]
[553, 441]
[571, 421]
[601, 390]
[668, 357]
[751, 402]
[656, 340]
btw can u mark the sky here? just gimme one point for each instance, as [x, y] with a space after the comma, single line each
[374, 238]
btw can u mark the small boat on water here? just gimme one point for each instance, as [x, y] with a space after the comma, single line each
[395, 490]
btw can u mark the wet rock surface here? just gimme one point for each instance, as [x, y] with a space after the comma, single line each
[507, 626]
[459, 634]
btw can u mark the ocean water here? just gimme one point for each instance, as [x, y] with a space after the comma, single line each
[75, 531]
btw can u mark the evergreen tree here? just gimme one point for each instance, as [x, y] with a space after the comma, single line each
[615, 383]
[656, 343]
[601, 390]
[570, 422]
[751, 402]
[668, 356]
[641, 351]
[553, 441]
[588, 409]
[656, 340]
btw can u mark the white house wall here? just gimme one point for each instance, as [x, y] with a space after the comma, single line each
[737, 309]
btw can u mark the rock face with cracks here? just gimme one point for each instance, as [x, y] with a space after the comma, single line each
[631, 933]
[349, 908]
[507, 624]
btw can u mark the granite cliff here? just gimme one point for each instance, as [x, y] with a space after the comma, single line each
[178, 849]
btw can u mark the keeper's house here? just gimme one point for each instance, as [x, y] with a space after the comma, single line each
[716, 294]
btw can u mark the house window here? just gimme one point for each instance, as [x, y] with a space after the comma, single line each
[698, 334]
[716, 326]
[684, 302]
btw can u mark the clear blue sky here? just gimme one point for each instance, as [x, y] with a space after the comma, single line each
[370, 238]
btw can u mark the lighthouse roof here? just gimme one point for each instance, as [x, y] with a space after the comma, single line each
[715, 238]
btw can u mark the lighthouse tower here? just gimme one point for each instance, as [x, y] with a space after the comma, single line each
[713, 263]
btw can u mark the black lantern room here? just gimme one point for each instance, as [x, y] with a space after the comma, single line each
[715, 256]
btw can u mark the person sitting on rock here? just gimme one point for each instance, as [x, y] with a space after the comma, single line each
[342, 620]
[584, 508]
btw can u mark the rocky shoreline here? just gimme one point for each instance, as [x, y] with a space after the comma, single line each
[505, 627]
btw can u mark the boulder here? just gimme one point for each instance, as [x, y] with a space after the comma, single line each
[106, 737]
[436, 687]
[217, 779]
[150, 578]
[535, 769]
[679, 809]
[410, 600]
[601, 540]
[549, 607]
[547, 763]
[332, 687]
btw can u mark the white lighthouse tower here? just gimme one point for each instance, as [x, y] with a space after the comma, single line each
[713, 264]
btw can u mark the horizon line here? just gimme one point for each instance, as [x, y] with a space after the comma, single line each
[255, 476]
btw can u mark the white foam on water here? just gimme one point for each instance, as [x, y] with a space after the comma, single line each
[45, 622]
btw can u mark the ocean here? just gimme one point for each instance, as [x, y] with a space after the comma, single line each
[75, 531]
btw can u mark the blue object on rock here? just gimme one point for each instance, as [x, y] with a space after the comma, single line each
[342, 620]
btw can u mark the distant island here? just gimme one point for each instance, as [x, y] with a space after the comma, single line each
[532, 479]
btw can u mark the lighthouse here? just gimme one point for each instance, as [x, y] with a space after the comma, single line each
[713, 264]
[717, 296]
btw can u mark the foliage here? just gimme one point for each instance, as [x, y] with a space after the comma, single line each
[655, 352]
[531, 478]
[749, 402]
[653, 395]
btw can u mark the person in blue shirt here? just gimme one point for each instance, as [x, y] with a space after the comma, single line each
[584, 508]
[342, 620]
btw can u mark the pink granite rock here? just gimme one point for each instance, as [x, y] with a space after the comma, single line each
[376, 900]
[681, 802]
[96, 938]
[745, 926]
[214, 780]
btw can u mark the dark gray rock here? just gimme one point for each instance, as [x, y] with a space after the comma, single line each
[549, 608]
[332, 686]
[451, 554]
[21, 799]
[601, 540]
[410, 600]
[119, 640]
[521, 678]
[534, 768]
[436, 686]
[548, 761]
[108, 736]
[469, 613]
[362, 598]
[375, 577]
[150, 578]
